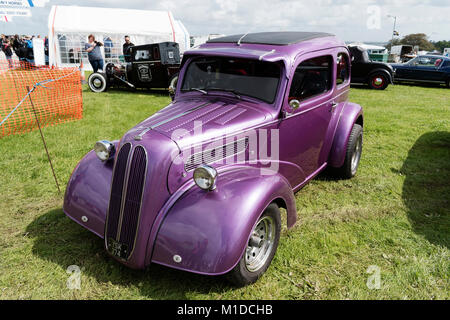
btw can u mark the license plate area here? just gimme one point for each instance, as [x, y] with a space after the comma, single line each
[117, 249]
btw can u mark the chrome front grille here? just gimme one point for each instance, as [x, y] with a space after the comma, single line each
[125, 203]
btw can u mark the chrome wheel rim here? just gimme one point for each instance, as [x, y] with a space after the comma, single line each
[357, 154]
[260, 244]
[97, 83]
[378, 81]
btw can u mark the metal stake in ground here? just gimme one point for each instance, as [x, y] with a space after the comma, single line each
[43, 141]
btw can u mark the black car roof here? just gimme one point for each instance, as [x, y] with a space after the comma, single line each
[271, 38]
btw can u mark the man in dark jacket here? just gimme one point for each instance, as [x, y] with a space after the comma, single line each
[126, 48]
[6, 48]
[19, 48]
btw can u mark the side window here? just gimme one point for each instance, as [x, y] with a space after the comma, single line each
[141, 55]
[312, 77]
[342, 74]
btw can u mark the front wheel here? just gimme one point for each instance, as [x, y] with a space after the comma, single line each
[97, 82]
[260, 249]
[353, 154]
[378, 81]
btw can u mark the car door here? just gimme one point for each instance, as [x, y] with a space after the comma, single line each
[429, 69]
[302, 131]
[142, 64]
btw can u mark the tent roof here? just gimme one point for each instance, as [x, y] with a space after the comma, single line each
[367, 46]
[111, 20]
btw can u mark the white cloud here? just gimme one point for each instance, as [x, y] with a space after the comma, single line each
[346, 18]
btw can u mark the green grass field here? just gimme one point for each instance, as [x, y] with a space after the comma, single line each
[393, 215]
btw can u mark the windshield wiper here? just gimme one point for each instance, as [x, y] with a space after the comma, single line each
[199, 90]
[205, 91]
[236, 94]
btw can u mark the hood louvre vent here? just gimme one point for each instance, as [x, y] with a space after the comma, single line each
[216, 154]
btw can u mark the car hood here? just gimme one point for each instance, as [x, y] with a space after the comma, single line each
[399, 65]
[194, 121]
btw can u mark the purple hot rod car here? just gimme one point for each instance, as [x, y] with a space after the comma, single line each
[198, 186]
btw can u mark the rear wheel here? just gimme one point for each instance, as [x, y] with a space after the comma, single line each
[353, 154]
[260, 249]
[97, 82]
[448, 83]
[378, 81]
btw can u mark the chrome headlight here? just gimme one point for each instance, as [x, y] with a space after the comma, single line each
[205, 177]
[105, 150]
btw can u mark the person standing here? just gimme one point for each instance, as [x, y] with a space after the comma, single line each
[126, 48]
[29, 50]
[6, 48]
[108, 48]
[94, 53]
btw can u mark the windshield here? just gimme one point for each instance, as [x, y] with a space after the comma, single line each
[425, 61]
[247, 77]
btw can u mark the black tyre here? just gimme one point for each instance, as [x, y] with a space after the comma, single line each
[378, 81]
[97, 82]
[260, 249]
[353, 154]
[448, 83]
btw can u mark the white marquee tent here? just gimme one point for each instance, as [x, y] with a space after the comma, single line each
[69, 27]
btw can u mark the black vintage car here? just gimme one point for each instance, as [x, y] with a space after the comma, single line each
[150, 66]
[425, 69]
[378, 75]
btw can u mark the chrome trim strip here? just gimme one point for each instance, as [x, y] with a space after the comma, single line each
[139, 136]
[266, 54]
[315, 107]
[418, 80]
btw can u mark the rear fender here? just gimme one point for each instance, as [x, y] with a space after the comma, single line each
[351, 113]
[210, 230]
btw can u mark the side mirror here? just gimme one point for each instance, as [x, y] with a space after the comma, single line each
[172, 92]
[293, 106]
[173, 86]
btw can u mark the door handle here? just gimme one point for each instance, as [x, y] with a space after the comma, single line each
[333, 106]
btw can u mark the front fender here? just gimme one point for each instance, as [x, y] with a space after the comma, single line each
[351, 113]
[87, 192]
[210, 230]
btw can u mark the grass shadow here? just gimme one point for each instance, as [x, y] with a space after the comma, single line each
[124, 90]
[426, 188]
[419, 84]
[60, 240]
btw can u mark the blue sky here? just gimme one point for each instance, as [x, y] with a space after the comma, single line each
[357, 20]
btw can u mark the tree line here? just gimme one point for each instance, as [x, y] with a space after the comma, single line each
[421, 40]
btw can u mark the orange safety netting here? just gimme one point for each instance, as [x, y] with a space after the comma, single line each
[57, 96]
